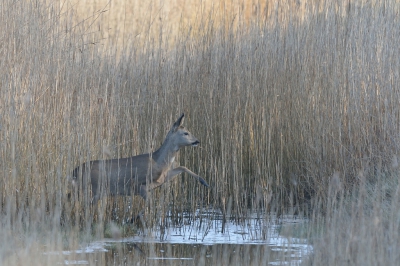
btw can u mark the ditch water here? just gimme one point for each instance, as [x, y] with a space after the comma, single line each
[200, 241]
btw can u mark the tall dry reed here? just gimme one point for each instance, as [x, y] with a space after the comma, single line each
[284, 106]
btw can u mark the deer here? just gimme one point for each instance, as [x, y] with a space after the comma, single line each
[139, 174]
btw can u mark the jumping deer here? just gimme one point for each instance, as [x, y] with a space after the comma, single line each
[139, 174]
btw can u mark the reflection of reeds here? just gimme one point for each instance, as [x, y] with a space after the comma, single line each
[297, 114]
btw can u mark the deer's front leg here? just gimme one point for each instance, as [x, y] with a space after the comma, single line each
[144, 189]
[176, 171]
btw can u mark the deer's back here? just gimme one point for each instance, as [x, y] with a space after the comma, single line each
[122, 175]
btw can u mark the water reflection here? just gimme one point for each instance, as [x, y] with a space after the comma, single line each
[195, 242]
[187, 254]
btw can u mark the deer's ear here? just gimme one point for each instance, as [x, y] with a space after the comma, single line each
[178, 122]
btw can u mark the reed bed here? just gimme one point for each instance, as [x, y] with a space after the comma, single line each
[297, 111]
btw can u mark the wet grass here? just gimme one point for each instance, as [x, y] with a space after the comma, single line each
[297, 111]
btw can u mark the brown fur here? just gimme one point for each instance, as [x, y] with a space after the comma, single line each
[138, 174]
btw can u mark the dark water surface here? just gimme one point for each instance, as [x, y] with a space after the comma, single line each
[253, 242]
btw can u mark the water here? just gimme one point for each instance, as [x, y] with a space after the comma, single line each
[201, 241]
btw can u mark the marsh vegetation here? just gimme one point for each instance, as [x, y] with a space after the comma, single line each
[295, 103]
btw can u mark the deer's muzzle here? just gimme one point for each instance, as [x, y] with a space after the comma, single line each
[196, 143]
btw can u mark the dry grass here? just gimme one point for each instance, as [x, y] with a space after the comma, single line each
[134, 21]
[289, 106]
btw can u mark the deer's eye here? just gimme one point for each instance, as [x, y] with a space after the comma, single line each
[186, 133]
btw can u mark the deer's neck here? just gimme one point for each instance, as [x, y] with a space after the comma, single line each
[166, 154]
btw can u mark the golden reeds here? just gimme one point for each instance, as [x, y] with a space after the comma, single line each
[295, 110]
